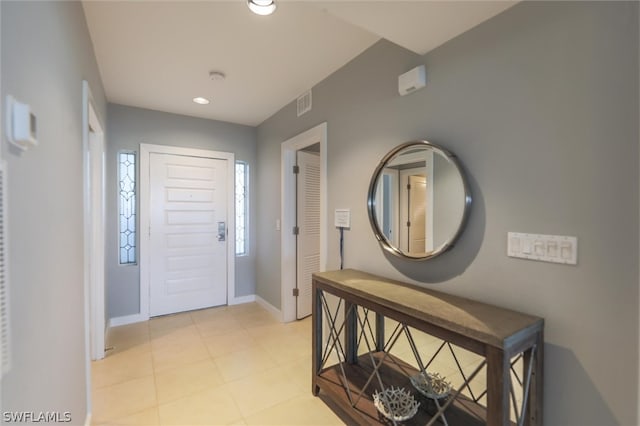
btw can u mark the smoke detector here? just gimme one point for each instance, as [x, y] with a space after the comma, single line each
[216, 75]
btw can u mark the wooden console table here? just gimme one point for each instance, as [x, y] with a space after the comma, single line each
[498, 335]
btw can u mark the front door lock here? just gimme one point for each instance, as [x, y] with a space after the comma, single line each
[222, 231]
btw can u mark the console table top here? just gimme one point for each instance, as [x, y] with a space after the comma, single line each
[482, 322]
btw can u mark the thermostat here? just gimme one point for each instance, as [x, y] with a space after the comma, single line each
[21, 124]
[343, 218]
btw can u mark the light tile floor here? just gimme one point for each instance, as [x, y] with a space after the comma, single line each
[233, 365]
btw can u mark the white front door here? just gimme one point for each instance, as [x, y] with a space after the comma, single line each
[308, 219]
[188, 233]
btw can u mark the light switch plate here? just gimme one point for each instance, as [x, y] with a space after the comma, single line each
[544, 248]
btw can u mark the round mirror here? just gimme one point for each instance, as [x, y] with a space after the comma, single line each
[418, 200]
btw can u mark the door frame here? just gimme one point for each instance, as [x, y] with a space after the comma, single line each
[317, 134]
[94, 227]
[427, 157]
[394, 197]
[93, 240]
[145, 156]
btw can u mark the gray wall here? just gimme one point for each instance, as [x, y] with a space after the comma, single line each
[541, 106]
[46, 53]
[128, 127]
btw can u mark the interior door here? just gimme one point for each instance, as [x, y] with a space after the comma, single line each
[411, 194]
[187, 235]
[308, 220]
[417, 213]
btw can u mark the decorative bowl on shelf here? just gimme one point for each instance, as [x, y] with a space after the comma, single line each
[431, 385]
[396, 404]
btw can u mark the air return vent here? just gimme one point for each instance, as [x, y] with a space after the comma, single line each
[304, 103]
[4, 276]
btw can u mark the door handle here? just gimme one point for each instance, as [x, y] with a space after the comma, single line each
[222, 231]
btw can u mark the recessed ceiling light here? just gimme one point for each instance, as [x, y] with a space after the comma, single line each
[201, 101]
[262, 7]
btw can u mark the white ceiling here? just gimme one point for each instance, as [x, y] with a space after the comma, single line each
[158, 55]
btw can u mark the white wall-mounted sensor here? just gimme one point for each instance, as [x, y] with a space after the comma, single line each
[412, 80]
[343, 218]
[21, 124]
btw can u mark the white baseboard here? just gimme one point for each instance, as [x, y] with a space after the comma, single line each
[87, 420]
[130, 319]
[242, 299]
[127, 319]
[269, 307]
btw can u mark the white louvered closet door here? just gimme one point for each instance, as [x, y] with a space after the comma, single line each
[308, 219]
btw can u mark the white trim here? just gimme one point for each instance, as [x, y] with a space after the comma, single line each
[87, 420]
[94, 235]
[94, 225]
[429, 164]
[97, 260]
[126, 319]
[145, 153]
[288, 209]
[6, 242]
[269, 307]
[243, 299]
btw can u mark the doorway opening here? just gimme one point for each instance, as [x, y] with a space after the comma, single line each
[295, 292]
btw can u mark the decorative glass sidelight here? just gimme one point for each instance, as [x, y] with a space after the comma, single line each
[127, 206]
[242, 207]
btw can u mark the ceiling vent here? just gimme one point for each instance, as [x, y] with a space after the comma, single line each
[304, 103]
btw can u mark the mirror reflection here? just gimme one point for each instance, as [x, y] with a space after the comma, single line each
[418, 200]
